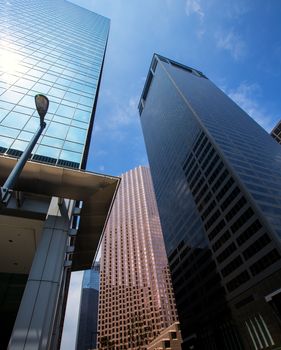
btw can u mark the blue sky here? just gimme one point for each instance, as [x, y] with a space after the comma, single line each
[236, 44]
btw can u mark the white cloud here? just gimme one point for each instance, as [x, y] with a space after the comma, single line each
[124, 115]
[246, 97]
[200, 33]
[101, 153]
[193, 6]
[236, 9]
[231, 42]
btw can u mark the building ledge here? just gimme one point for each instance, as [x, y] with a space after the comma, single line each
[97, 192]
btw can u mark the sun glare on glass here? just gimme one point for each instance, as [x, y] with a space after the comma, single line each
[9, 61]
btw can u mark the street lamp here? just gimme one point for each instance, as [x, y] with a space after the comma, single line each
[42, 104]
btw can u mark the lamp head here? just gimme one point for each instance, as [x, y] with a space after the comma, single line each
[42, 105]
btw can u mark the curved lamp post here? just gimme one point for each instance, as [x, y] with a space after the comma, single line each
[42, 104]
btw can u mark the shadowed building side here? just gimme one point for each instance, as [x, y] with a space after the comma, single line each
[215, 173]
[88, 313]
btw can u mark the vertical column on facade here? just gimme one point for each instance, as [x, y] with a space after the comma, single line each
[35, 319]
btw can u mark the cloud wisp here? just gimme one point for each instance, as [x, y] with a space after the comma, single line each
[232, 43]
[126, 115]
[246, 97]
[194, 7]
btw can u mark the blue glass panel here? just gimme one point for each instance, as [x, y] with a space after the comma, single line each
[86, 101]
[63, 120]
[40, 88]
[65, 111]
[71, 156]
[24, 110]
[51, 141]
[3, 113]
[81, 115]
[27, 101]
[57, 130]
[32, 125]
[57, 92]
[26, 136]
[15, 120]
[74, 97]
[52, 106]
[11, 96]
[48, 151]
[26, 83]
[72, 146]
[19, 145]
[76, 135]
[5, 141]
[79, 124]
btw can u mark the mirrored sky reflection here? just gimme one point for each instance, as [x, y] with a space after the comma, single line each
[234, 43]
[63, 64]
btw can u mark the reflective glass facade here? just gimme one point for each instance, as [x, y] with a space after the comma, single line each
[91, 278]
[136, 295]
[215, 172]
[88, 314]
[276, 132]
[57, 49]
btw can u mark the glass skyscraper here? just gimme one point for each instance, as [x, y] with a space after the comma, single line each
[88, 313]
[136, 295]
[276, 132]
[54, 48]
[216, 175]
[57, 49]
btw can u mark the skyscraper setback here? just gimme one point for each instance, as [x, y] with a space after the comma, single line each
[54, 48]
[215, 173]
[136, 297]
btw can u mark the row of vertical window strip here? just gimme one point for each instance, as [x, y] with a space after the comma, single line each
[209, 179]
[41, 159]
[259, 333]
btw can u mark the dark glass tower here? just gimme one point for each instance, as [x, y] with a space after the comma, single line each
[57, 49]
[88, 314]
[276, 132]
[216, 175]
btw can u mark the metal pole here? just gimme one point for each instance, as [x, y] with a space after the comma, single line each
[6, 189]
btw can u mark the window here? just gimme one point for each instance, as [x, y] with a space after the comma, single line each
[212, 219]
[256, 246]
[234, 193]
[220, 180]
[267, 260]
[166, 344]
[233, 265]
[215, 173]
[236, 208]
[208, 210]
[238, 281]
[226, 253]
[244, 302]
[217, 229]
[224, 238]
